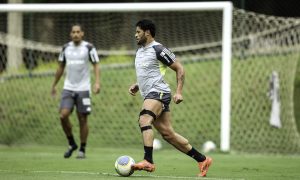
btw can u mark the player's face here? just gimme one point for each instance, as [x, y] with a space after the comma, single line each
[76, 34]
[140, 36]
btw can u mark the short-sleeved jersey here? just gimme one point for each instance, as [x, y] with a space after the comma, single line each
[77, 59]
[151, 63]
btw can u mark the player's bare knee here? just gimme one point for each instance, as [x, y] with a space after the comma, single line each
[63, 116]
[144, 121]
[146, 117]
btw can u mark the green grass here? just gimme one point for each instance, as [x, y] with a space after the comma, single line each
[47, 162]
[297, 96]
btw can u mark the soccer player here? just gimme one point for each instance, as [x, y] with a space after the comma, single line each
[75, 58]
[151, 61]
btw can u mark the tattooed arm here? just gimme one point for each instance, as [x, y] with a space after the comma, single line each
[178, 68]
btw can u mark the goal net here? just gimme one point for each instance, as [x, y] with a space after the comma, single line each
[261, 45]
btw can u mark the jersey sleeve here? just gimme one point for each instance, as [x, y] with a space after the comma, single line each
[164, 55]
[62, 57]
[93, 54]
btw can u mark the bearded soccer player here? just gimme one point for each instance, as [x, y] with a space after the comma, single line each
[76, 57]
[151, 61]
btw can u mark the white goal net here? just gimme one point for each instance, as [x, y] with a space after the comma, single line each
[260, 45]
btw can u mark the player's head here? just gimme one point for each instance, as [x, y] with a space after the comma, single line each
[145, 29]
[77, 33]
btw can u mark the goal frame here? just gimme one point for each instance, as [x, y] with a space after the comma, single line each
[225, 7]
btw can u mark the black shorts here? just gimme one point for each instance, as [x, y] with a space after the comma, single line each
[165, 98]
[80, 99]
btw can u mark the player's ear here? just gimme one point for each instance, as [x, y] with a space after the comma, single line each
[147, 32]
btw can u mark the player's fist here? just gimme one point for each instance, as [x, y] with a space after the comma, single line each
[96, 88]
[53, 92]
[177, 98]
[133, 89]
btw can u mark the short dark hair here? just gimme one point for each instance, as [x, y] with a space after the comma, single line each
[146, 24]
[78, 24]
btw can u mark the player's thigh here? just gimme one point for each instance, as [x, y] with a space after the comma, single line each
[83, 102]
[157, 102]
[163, 123]
[153, 105]
[67, 103]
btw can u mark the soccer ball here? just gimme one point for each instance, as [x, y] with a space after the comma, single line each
[157, 144]
[209, 146]
[123, 165]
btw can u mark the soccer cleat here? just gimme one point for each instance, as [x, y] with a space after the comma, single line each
[144, 165]
[69, 152]
[203, 166]
[80, 155]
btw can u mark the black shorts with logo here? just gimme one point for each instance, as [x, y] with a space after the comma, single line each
[165, 98]
[80, 99]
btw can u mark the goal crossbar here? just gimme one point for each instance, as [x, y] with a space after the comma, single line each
[116, 7]
[225, 7]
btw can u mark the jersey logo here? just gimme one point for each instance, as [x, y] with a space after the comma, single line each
[86, 101]
[76, 62]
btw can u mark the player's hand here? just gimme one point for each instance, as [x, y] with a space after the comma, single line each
[53, 92]
[133, 89]
[96, 88]
[177, 98]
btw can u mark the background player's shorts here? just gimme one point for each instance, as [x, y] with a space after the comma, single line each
[165, 98]
[80, 99]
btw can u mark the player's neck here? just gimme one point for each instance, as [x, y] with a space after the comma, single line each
[149, 41]
[77, 43]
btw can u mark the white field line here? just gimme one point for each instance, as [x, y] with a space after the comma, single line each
[111, 174]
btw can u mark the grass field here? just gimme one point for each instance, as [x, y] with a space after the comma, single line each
[47, 162]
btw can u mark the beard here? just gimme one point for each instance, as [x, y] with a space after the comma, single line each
[76, 40]
[142, 40]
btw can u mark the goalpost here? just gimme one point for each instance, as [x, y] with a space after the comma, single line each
[225, 7]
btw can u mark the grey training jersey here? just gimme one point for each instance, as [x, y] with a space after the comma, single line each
[151, 63]
[76, 59]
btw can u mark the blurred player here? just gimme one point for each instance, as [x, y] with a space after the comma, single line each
[75, 58]
[151, 61]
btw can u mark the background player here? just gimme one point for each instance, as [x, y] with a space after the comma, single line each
[151, 61]
[75, 58]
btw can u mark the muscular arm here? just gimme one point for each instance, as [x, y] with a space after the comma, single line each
[58, 74]
[180, 75]
[165, 56]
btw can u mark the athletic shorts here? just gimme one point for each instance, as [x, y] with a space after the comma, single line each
[80, 99]
[165, 98]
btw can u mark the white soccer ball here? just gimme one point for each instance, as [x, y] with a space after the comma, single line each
[123, 165]
[157, 144]
[209, 146]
